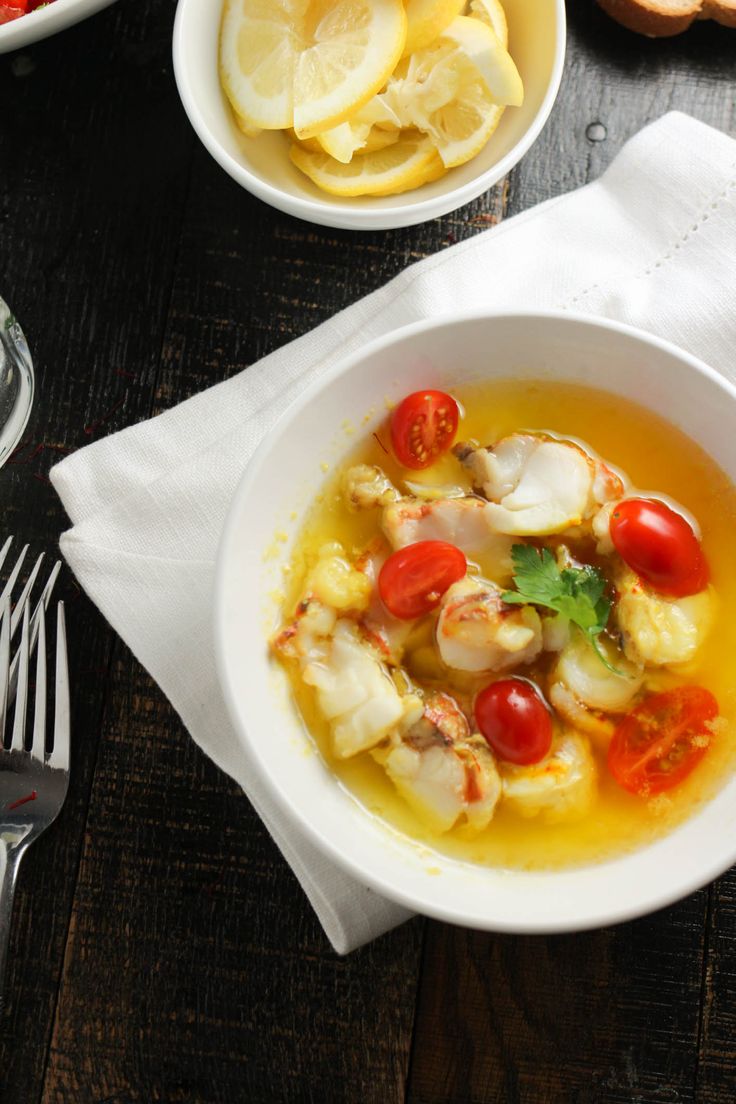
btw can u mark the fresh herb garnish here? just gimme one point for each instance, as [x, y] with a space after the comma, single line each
[576, 593]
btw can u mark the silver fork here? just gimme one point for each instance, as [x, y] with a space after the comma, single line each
[33, 778]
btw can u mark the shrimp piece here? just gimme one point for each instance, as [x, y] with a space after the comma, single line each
[592, 683]
[388, 633]
[559, 787]
[463, 522]
[657, 630]
[365, 486]
[595, 725]
[442, 771]
[536, 485]
[476, 631]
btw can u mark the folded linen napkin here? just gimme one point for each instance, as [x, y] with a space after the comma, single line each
[652, 243]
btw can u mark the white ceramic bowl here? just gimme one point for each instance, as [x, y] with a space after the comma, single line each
[46, 21]
[284, 477]
[537, 43]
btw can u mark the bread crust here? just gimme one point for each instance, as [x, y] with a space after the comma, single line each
[660, 19]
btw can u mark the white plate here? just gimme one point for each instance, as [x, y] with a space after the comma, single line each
[262, 165]
[284, 477]
[46, 21]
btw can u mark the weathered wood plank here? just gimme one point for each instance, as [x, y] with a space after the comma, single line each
[90, 210]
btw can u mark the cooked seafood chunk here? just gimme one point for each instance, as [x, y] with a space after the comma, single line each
[387, 632]
[366, 485]
[441, 770]
[334, 581]
[477, 631]
[559, 787]
[536, 485]
[463, 522]
[597, 726]
[356, 694]
[592, 683]
[658, 630]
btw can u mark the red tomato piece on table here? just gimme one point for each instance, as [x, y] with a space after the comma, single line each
[659, 545]
[662, 740]
[413, 579]
[423, 426]
[515, 720]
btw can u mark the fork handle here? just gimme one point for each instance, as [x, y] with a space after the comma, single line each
[9, 862]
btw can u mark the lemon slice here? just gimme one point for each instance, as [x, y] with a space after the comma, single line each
[308, 143]
[408, 163]
[491, 12]
[259, 45]
[455, 90]
[427, 19]
[354, 48]
[378, 139]
[307, 64]
[342, 141]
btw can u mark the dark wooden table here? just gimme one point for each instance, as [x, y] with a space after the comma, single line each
[162, 950]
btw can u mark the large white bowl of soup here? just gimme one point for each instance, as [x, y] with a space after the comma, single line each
[475, 619]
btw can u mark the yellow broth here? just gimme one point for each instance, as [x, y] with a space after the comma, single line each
[657, 458]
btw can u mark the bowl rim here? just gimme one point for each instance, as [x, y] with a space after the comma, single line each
[645, 900]
[356, 216]
[37, 25]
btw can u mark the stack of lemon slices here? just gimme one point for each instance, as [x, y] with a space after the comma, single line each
[378, 96]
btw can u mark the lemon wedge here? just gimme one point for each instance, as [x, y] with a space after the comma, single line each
[427, 19]
[410, 162]
[307, 64]
[455, 90]
[491, 12]
[350, 137]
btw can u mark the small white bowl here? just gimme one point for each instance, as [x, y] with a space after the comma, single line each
[284, 477]
[40, 24]
[262, 165]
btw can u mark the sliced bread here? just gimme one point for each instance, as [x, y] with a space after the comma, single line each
[659, 18]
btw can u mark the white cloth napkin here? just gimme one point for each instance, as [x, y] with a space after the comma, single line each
[652, 243]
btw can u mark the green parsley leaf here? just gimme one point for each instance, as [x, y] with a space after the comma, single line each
[577, 593]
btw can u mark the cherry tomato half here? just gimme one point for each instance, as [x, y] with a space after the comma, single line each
[413, 579]
[659, 545]
[423, 426]
[659, 743]
[514, 718]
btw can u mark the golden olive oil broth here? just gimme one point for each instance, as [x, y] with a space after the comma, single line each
[657, 458]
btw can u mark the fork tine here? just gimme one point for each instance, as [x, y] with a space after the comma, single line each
[4, 659]
[60, 755]
[21, 694]
[25, 594]
[14, 574]
[4, 550]
[38, 744]
[43, 601]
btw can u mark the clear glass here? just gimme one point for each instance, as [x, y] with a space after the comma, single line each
[16, 382]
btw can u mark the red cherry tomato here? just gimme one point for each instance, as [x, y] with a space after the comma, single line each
[423, 426]
[413, 579]
[659, 743]
[514, 718]
[659, 545]
[11, 9]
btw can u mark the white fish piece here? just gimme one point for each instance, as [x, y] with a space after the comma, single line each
[356, 694]
[658, 630]
[559, 787]
[592, 683]
[442, 771]
[477, 631]
[463, 522]
[536, 485]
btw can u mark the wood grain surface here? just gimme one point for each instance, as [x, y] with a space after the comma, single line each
[162, 950]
